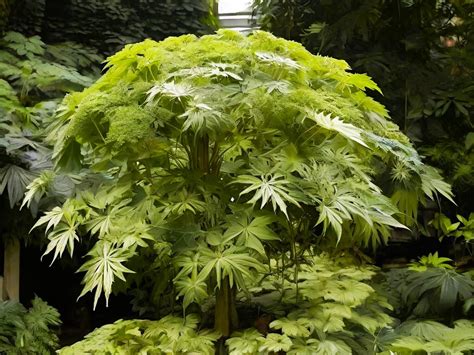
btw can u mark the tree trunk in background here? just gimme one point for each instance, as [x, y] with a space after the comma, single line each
[5, 9]
[11, 271]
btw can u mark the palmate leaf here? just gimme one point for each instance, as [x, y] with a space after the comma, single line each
[330, 347]
[215, 70]
[376, 229]
[442, 286]
[100, 223]
[116, 195]
[103, 222]
[24, 46]
[431, 260]
[201, 342]
[407, 202]
[61, 238]
[423, 329]
[178, 91]
[347, 130]
[400, 150]
[245, 342]
[105, 264]
[52, 217]
[201, 118]
[372, 318]
[135, 234]
[292, 327]
[432, 183]
[303, 347]
[234, 263]
[28, 331]
[361, 81]
[314, 346]
[193, 289]
[37, 188]
[168, 335]
[64, 222]
[278, 60]
[188, 264]
[250, 232]
[275, 342]
[184, 201]
[434, 337]
[331, 217]
[268, 188]
[173, 327]
[15, 179]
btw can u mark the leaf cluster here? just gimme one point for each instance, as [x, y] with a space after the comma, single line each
[431, 288]
[323, 306]
[28, 331]
[434, 337]
[169, 335]
[32, 81]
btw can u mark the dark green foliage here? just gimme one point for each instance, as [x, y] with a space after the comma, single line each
[419, 51]
[108, 25]
[5, 8]
[33, 78]
[461, 228]
[435, 292]
[28, 331]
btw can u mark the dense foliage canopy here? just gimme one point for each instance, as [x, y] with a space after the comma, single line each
[108, 25]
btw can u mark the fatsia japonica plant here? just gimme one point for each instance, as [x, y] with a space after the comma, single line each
[211, 157]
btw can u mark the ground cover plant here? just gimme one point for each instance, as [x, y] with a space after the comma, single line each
[219, 172]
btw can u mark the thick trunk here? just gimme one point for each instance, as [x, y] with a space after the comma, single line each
[225, 313]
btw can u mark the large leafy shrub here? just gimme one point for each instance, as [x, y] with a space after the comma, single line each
[202, 159]
[28, 331]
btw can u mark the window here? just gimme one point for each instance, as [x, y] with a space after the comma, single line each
[237, 15]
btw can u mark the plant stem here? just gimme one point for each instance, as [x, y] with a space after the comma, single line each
[225, 316]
